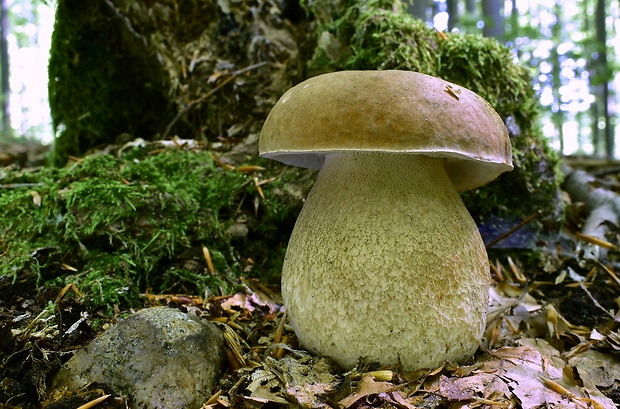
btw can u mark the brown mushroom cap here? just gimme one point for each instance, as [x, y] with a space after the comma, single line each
[389, 111]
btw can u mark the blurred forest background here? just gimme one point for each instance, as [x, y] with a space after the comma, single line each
[570, 46]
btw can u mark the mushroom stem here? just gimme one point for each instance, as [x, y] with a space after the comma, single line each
[386, 264]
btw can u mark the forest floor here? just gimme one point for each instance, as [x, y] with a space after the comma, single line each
[552, 339]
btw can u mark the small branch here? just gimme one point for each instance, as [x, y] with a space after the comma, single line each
[609, 271]
[19, 185]
[195, 102]
[514, 229]
[126, 22]
[596, 303]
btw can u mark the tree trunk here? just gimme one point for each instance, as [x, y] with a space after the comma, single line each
[493, 20]
[417, 8]
[557, 116]
[453, 13]
[4, 68]
[514, 21]
[595, 135]
[203, 70]
[603, 77]
[470, 7]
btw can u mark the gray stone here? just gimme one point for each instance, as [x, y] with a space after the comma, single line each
[158, 358]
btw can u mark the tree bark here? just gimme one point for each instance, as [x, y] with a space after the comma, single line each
[470, 6]
[453, 13]
[417, 8]
[493, 19]
[557, 115]
[4, 69]
[594, 111]
[514, 20]
[602, 72]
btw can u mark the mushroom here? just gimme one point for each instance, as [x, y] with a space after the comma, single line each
[385, 263]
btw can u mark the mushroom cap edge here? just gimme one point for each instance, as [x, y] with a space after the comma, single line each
[400, 112]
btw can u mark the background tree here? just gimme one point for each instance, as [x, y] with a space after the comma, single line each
[569, 45]
[5, 90]
[470, 6]
[493, 19]
[453, 13]
[417, 8]
[23, 57]
[601, 81]
[557, 115]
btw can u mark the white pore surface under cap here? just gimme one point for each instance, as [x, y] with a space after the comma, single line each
[385, 263]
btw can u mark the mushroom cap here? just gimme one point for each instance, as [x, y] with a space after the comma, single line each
[389, 111]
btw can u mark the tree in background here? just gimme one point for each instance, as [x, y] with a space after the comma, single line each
[566, 43]
[22, 113]
[417, 8]
[493, 19]
[600, 81]
[453, 14]
[4, 70]
[557, 115]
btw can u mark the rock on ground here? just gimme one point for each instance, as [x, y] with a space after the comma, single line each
[159, 358]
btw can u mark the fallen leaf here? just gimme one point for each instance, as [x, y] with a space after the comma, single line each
[265, 386]
[597, 370]
[366, 386]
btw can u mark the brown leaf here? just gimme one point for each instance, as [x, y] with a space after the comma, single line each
[366, 386]
[597, 370]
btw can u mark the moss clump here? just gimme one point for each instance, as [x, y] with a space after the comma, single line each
[116, 227]
[378, 34]
[375, 38]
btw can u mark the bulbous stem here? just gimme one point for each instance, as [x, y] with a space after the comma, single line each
[386, 263]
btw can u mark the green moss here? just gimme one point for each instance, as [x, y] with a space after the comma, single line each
[376, 38]
[484, 65]
[107, 279]
[116, 227]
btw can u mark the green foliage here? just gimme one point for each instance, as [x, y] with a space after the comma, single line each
[115, 227]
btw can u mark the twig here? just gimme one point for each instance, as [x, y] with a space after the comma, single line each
[126, 22]
[514, 229]
[94, 402]
[195, 102]
[212, 399]
[598, 305]
[19, 185]
[609, 271]
[596, 241]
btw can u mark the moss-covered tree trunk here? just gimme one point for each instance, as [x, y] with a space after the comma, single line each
[103, 81]
[146, 69]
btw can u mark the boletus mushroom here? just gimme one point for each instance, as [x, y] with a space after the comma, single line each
[385, 263]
